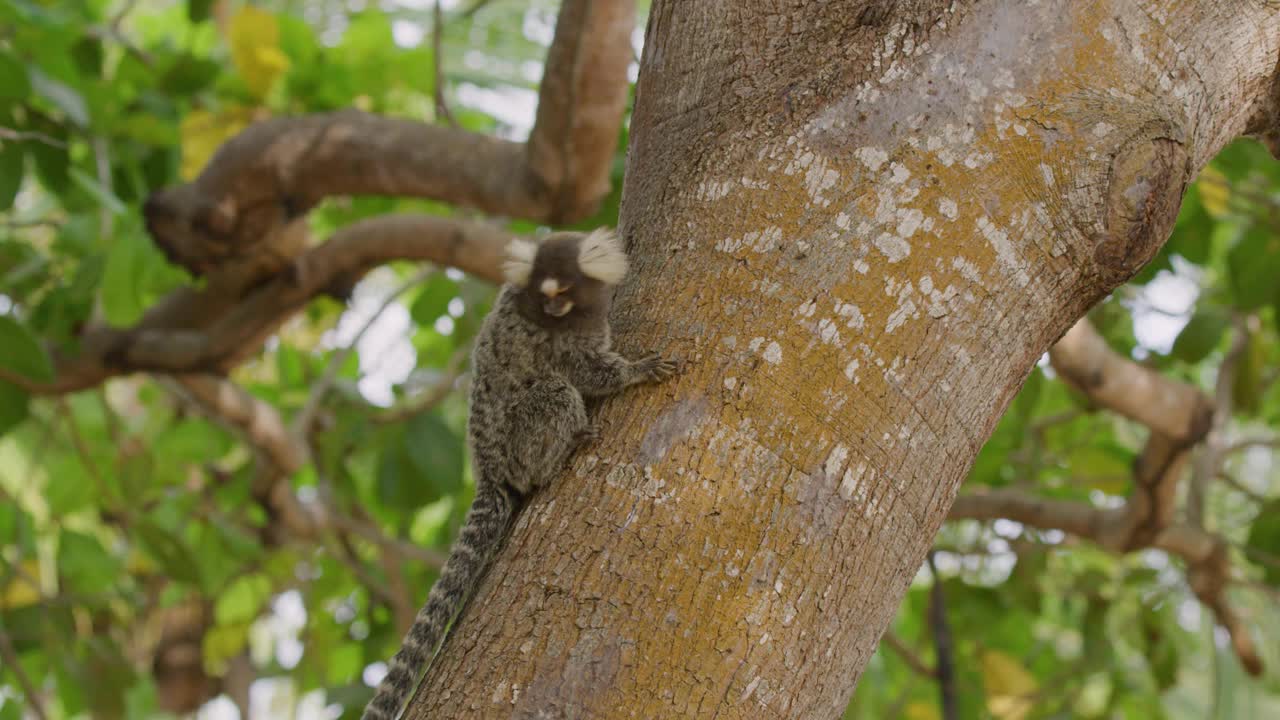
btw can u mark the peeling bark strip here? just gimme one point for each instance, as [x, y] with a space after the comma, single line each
[859, 224]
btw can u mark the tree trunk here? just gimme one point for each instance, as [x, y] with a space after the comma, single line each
[858, 225]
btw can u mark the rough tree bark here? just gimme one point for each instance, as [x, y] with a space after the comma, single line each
[859, 224]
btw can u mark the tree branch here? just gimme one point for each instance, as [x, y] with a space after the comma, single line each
[909, 656]
[1208, 565]
[1085, 361]
[1178, 415]
[942, 645]
[164, 342]
[1209, 458]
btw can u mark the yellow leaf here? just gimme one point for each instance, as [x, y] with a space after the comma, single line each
[255, 49]
[1215, 193]
[204, 132]
[21, 592]
[921, 710]
[1010, 688]
[221, 643]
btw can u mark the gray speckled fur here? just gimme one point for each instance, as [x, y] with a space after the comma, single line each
[531, 374]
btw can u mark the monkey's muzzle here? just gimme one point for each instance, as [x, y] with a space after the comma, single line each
[558, 306]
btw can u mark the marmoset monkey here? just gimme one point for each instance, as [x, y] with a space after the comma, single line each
[543, 348]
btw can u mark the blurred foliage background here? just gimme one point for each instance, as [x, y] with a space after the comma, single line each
[121, 507]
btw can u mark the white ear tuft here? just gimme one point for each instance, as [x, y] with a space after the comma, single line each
[519, 262]
[601, 257]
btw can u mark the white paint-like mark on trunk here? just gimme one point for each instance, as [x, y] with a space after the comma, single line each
[894, 248]
[851, 313]
[773, 353]
[1005, 252]
[948, 208]
[751, 687]
[872, 157]
[828, 332]
[1047, 173]
[851, 371]
[836, 460]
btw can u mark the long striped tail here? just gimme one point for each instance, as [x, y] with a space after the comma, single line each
[481, 533]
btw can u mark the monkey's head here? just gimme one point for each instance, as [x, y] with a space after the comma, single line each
[566, 276]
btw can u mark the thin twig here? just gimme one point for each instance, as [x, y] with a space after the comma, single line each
[82, 450]
[346, 554]
[371, 532]
[306, 416]
[129, 5]
[475, 8]
[10, 655]
[1272, 443]
[430, 397]
[1233, 483]
[21, 135]
[942, 645]
[437, 30]
[913, 661]
[1208, 460]
[102, 166]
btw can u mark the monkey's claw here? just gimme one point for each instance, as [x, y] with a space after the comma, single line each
[657, 368]
[588, 434]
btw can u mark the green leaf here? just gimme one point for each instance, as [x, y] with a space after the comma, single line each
[104, 675]
[1193, 229]
[122, 289]
[223, 642]
[1102, 466]
[436, 452]
[397, 488]
[189, 74]
[1200, 335]
[85, 564]
[50, 153]
[12, 165]
[1245, 395]
[69, 487]
[168, 551]
[61, 96]
[242, 600]
[22, 352]
[87, 53]
[298, 41]
[105, 197]
[198, 10]
[1264, 539]
[189, 441]
[1024, 403]
[14, 84]
[15, 405]
[433, 299]
[1254, 267]
[344, 663]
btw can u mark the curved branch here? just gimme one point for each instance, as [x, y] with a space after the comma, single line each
[273, 172]
[1176, 409]
[237, 331]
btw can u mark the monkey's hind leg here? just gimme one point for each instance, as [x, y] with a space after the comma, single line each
[547, 425]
